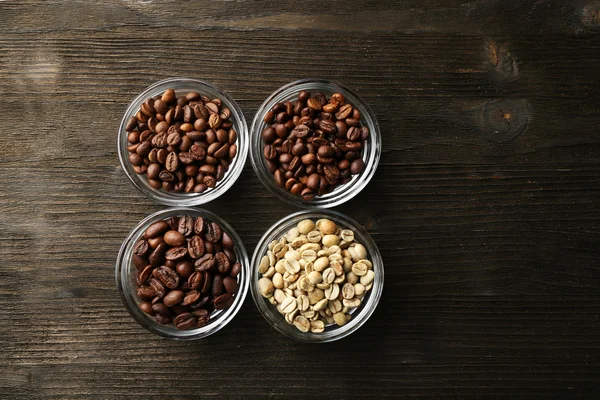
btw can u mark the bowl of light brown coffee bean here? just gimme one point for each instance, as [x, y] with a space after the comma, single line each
[315, 143]
[183, 273]
[317, 276]
[183, 142]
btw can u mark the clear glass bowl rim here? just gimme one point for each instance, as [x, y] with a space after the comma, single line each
[186, 199]
[368, 306]
[127, 293]
[343, 193]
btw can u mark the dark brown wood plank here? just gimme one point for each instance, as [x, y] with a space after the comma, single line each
[491, 246]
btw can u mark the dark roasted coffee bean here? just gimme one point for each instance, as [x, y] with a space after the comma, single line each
[353, 133]
[313, 181]
[235, 269]
[146, 307]
[196, 280]
[186, 225]
[217, 285]
[213, 232]
[205, 262]
[144, 276]
[186, 158]
[269, 151]
[212, 108]
[301, 131]
[226, 241]
[140, 262]
[141, 247]
[223, 264]
[173, 297]
[184, 268]
[328, 126]
[167, 276]
[299, 149]
[222, 151]
[174, 238]
[223, 302]
[308, 194]
[210, 181]
[199, 225]
[314, 104]
[196, 247]
[290, 182]
[159, 287]
[176, 253]
[203, 317]
[135, 159]
[190, 298]
[268, 118]
[230, 284]
[166, 176]
[309, 159]
[357, 166]
[207, 283]
[344, 112]
[157, 256]
[297, 189]
[185, 321]
[145, 292]
[230, 255]
[281, 130]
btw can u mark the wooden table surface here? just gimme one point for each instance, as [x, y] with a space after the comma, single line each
[485, 205]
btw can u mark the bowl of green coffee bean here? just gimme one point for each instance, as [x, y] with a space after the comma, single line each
[317, 276]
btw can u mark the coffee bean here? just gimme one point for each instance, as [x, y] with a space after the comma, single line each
[223, 302]
[155, 229]
[236, 268]
[141, 247]
[176, 253]
[230, 284]
[196, 247]
[213, 233]
[140, 262]
[217, 285]
[173, 297]
[206, 262]
[145, 292]
[222, 261]
[357, 166]
[167, 276]
[185, 321]
[203, 317]
[174, 238]
[185, 268]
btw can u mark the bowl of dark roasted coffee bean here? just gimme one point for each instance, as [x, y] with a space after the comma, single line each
[183, 142]
[317, 276]
[182, 273]
[315, 143]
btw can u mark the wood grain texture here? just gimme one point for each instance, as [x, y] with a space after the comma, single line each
[491, 246]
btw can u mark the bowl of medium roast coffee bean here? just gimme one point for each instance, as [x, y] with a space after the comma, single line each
[315, 143]
[182, 273]
[183, 142]
[317, 276]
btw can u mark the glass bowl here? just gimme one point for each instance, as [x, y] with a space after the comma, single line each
[370, 154]
[360, 315]
[181, 87]
[126, 272]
